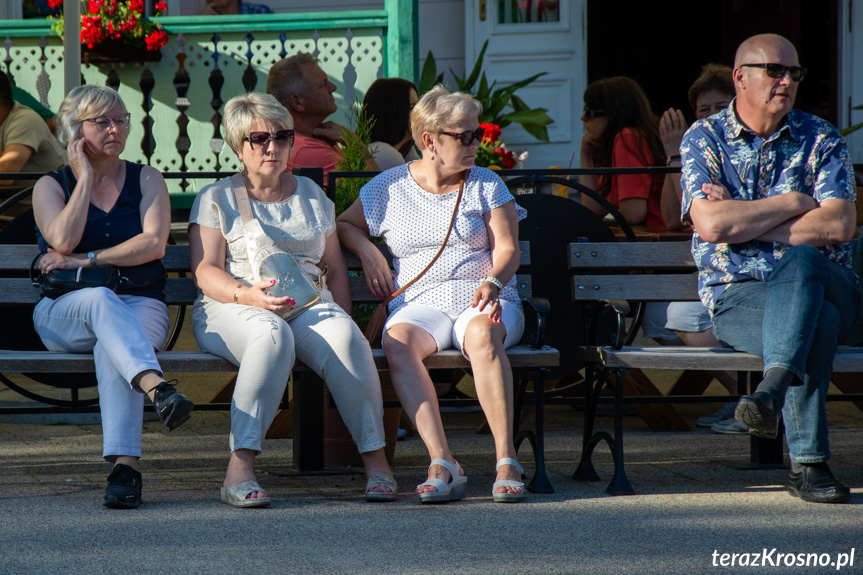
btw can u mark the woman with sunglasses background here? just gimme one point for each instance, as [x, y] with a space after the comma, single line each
[466, 300]
[234, 316]
[621, 131]
[102, 210]
[389, 102]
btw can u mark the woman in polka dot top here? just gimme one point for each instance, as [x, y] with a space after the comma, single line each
[467, 300]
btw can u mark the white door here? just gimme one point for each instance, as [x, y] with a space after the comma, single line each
[527, 37]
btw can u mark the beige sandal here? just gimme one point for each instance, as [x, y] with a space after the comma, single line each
[381, 481]
[236, 496]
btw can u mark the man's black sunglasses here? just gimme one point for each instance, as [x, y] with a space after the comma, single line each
[796, 73]
[467, 138]
[261, 138]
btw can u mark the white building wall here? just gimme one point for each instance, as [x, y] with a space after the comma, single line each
[851, 92]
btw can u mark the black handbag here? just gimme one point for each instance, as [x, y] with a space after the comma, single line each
[60, 282]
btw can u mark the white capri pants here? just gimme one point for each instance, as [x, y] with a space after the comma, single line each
[264, 347]
[122, 331]
[448, 331]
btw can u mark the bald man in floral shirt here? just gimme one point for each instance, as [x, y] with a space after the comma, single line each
[770, 192]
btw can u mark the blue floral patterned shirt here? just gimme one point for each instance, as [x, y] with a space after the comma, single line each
[806, 155]
[247, 8]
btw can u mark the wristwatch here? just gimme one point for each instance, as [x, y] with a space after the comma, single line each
[92, 257]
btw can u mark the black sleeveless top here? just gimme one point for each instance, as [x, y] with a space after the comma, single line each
[108, 229]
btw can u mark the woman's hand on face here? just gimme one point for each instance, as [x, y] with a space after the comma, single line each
[379, 276]
[76, 153]
[56, 261]
[672, 126]
[258, 297]
[587, 146]
[488, 294]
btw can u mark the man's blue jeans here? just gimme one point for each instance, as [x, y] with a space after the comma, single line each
[794, 320]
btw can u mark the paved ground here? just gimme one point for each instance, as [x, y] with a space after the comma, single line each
[690, 504]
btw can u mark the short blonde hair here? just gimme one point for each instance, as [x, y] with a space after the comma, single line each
[83, 103]
[241, 111]
[438, 108]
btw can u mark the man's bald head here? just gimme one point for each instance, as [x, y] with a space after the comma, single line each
[757, 49]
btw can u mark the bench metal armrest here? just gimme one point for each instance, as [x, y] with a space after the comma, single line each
[621, 308]
[539, 307]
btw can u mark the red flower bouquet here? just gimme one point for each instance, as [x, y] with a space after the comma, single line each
[103, 20]
[493, 153]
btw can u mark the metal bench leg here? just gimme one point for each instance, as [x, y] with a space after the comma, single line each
[594, 382]
[539, 483]
[619, 484]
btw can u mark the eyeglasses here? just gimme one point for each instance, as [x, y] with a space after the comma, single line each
[467, 138]
[796, 73]
[589, 113]
[261, 138]
[104, 122]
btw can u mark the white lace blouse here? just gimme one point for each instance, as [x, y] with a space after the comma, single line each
[298, 225]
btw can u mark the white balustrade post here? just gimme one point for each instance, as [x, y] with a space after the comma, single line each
[71, 44]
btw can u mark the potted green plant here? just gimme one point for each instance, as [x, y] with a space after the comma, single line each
[500, 106]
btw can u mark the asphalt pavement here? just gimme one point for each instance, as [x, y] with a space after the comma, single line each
[693, 508]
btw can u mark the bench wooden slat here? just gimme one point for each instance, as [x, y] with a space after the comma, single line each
[848, 359]
[631, 255]
[636, 287]
[521, 356]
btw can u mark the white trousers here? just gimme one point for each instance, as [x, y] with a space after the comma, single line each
[122, 332]
[264, 347]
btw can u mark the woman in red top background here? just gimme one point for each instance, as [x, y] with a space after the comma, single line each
[621, 131]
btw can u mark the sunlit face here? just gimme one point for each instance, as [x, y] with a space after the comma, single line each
[710, 102]
[452, 153]
[268, 159]
[757, 90]
[320, 101]
[111, 141]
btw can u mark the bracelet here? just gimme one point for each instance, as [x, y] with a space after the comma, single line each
[494, 280]
[672, 158]
[237, 293]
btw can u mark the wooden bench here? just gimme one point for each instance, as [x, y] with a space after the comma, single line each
[625, 274]
[528, 360]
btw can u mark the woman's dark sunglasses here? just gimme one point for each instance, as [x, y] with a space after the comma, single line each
[261, 138]
[590, 113]
[467, 138]
[796, 73]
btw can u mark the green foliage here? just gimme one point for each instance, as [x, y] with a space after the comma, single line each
[855, 127]
[499, 106]
[355, 154]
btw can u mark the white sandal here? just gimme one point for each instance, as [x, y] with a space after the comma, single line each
[236, 496]
[452, 491]
[504, 497]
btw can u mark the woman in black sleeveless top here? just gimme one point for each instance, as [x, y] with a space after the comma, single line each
[101, 210]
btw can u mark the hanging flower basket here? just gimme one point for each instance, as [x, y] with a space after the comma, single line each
[115, 51]
[116, 31]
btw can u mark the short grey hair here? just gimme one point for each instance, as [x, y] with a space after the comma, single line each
[83, 103]
[241, 111]
[286, 77]
[438, 108]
